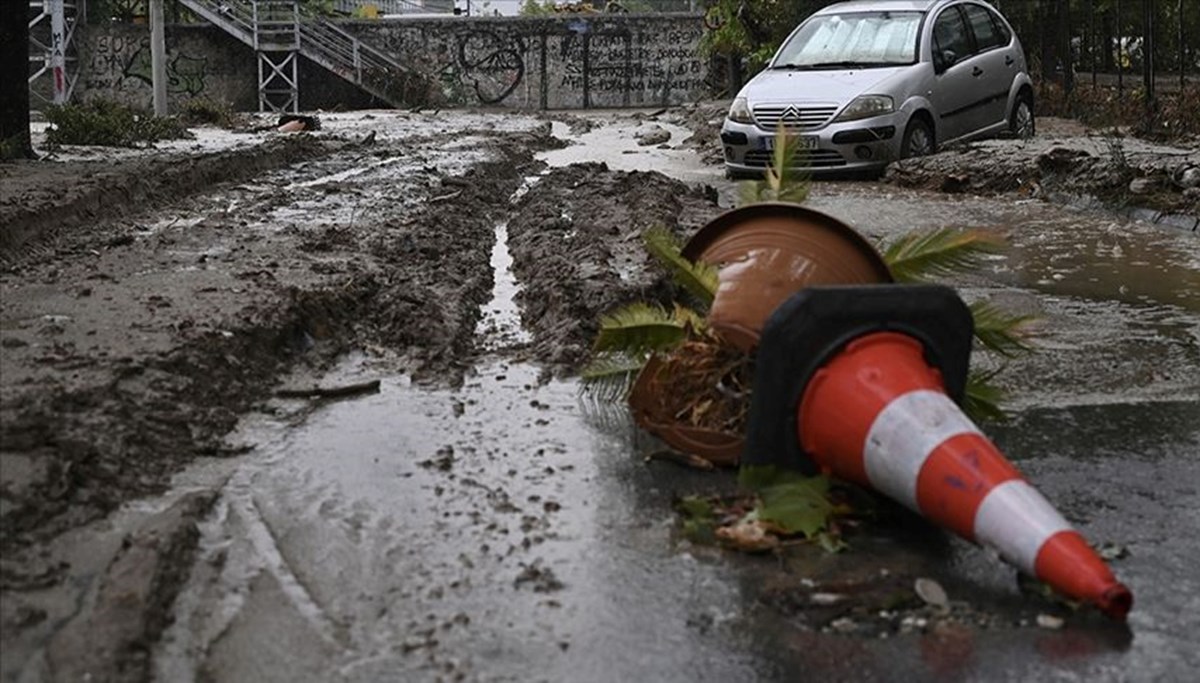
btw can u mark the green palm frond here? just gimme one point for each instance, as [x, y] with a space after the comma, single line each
[923, 256]
[982, 399]
[1005, 333]
[700, 279]
[644, 327]
[781, 181]
[609, 376]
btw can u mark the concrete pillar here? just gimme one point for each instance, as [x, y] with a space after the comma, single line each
[158, 57]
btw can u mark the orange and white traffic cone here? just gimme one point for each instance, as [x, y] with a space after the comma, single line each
[873, 409]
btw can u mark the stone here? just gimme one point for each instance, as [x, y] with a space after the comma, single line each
[652, 135]
[1187, 177]
[1142, 185]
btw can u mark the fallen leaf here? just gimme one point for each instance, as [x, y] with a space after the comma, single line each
[748, 535]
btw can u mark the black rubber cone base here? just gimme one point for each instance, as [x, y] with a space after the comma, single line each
[815, 324]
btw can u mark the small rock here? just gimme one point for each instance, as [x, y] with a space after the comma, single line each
[1187, 177]
[1049, 621]
[1142, 185]
[932, 593]
[843, 625]
[652, 135]
[826, 598]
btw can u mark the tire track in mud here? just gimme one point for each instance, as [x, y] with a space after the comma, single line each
[121, 188]
[577, 249]
[87, 427]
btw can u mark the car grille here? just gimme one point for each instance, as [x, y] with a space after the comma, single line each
[792, 117]
[817, 158]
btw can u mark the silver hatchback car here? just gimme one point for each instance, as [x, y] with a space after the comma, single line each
[866, 82]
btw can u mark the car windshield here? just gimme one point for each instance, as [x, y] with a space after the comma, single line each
[852, 40]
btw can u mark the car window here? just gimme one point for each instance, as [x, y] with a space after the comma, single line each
[950, 40]
[1001, 29]
[852, 39]
[980, 20]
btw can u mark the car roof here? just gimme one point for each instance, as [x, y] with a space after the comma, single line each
[879, 5]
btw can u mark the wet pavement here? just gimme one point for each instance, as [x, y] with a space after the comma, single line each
[506, 529]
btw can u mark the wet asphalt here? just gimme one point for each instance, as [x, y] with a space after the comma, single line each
[510, 530]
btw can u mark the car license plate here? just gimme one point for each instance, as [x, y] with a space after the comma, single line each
[803, 143]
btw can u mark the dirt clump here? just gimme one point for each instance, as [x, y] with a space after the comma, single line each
[576, 241]
[704, 119]
[40, 200]
[1065, 161]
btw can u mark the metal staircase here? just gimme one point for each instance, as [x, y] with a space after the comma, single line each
[277, 33]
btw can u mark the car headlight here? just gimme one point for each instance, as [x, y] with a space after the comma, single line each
[739, 111]
[866, 107]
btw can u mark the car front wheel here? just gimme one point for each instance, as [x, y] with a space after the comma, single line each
[918, 140]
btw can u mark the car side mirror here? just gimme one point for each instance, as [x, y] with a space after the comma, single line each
[949, 57]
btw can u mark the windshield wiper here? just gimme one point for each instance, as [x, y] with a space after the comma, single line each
[850, 65]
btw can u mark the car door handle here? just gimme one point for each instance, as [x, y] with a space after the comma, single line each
[976, 71]
[1008, 60]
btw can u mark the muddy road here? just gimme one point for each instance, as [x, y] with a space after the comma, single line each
[171, 512]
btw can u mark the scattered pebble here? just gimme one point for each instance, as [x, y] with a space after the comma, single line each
[1049, 621]
[932, 593]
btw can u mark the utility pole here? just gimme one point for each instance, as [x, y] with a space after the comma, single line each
[158, 57]
[1148, 58]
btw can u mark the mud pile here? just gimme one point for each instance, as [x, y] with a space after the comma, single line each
[576, 240]
[42, 199]
[1063, 161]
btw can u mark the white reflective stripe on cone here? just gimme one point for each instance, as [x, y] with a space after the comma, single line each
[1016, 520]
[903, 436]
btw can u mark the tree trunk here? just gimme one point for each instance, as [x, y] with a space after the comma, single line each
[14, 87]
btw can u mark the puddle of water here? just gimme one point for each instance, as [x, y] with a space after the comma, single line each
[613, 142]
[1053, 249]
[491, 531]
[500, 320]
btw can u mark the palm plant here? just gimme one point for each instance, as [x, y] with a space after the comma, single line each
[782, 503]
[628, 336]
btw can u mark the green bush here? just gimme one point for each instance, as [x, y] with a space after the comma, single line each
[202, 111]
[109, 124]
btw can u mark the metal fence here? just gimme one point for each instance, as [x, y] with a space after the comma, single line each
[1149, 45]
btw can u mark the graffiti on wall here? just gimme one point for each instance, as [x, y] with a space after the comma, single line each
[122, 62]
[576, 63]
[494, 65]
[644, 61]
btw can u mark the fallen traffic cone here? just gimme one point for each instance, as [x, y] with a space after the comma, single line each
[861, 382]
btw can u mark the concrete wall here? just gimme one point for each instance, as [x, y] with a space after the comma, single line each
[514, 62]
[550, 63]
[202, 62]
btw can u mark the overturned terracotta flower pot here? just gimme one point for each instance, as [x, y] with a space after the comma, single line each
[767, 252]
[764, 253]
[648, 401]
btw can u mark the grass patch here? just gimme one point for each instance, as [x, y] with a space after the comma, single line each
[109, 124]
[205, 112]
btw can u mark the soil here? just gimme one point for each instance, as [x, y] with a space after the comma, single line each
[1068, 162]
[576, 239]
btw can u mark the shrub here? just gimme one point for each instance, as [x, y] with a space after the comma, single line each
[109, 124]
[207, 112]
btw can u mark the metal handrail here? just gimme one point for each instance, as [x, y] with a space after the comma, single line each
[318, 39]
